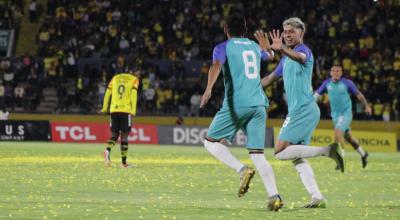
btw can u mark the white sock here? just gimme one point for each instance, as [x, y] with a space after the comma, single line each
[307, 177]
[222, 153]
[293, 152]
[360, 150]
[266, 173]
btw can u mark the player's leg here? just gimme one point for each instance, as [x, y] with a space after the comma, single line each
[224, 127]
[356, 145]
[306, 174]
[296, 131]
[124, 149]
[255, 131]
[126, 121]
[113, 139]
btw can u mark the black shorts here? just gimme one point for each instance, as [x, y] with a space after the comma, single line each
[121, 122]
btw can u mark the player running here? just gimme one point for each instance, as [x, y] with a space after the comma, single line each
[296, 67]
[244, 105]
[339, 90]
[122, 93]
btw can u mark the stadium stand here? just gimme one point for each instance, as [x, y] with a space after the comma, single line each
[81, 44]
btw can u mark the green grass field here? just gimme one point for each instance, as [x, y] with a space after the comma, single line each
[70, 181]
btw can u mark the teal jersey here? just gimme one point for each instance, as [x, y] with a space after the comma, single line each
[297, 79]
[240, 58]
[339, 95]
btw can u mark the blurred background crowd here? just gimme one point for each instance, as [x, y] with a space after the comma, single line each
[82, 44]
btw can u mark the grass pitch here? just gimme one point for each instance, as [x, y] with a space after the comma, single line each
[70, 181]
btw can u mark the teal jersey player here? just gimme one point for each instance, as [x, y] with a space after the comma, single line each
[339, 90]
[301, 105]
[296, 67]
[244, 105]
[340, 101]
[240, 59]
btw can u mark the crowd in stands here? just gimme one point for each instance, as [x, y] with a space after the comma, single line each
[362, 37]
[11, 13]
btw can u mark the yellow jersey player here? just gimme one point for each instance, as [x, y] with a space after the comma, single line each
[120, 101]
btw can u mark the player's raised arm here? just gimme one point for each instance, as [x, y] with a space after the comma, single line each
[213, 74]
[266, 52]
[279, 46]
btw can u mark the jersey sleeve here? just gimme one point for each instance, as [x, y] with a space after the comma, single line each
[305, 50]
[264, 55]
[351, 87]
[219, 53]
[279, 69]
[322, 88]
[135, 84]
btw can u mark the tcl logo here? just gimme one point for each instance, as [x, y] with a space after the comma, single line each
[76, 133]
[138, 135]
[92, 132]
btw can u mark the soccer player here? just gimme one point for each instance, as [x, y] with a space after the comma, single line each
[244, 105]
[296, 67]
[120, 100]
[339, 90]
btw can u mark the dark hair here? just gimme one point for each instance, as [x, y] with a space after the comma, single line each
[236, 25]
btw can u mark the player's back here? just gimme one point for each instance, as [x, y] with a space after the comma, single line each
[242, 74]
[121, 86]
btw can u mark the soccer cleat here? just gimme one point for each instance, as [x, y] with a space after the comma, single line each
[246, 175]
[316, 203]
[336, 154]
[275, 203]
[364, 160]
[107, 160]
[126, 165]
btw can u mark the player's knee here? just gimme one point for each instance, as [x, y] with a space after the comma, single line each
[111, 143]
[124, 146]
[114, 137]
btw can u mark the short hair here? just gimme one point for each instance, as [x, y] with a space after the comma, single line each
[295, 22]
[236, 25]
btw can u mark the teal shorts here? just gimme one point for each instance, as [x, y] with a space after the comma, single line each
[342, 121]
[251, 121]
[299, 127]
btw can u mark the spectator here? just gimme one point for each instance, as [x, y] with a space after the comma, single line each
[195, 104]
[33, 15]
[386, 112]
[378, 110]
[4, 114]
[19, 94]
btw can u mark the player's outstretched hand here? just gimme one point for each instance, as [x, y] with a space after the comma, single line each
[276, 40]
[368, 110]
[204, 99]
[263, 40]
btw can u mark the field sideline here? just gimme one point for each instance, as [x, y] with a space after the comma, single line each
[69, 181]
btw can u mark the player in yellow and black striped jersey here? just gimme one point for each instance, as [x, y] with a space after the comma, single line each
[120, 101]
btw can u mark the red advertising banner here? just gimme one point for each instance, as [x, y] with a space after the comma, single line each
[92, 132]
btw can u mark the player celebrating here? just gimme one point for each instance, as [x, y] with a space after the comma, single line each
[339, 90]
[122, 92]
[244, 105]
[296, 67]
